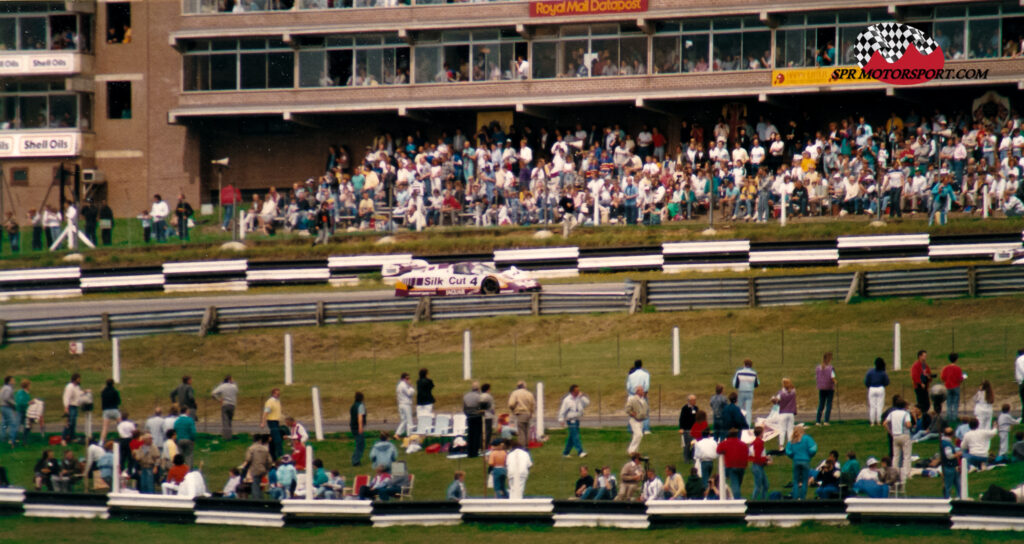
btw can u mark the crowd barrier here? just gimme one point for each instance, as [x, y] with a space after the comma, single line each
[548, 262]
[953, 514]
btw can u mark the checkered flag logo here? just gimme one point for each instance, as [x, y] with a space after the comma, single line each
[892, 40]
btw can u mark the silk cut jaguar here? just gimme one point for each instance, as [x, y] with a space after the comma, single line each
[418, 278]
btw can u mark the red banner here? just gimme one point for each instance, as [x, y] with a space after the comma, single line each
[560, 8]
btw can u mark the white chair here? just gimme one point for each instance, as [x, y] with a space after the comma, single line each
[424, 425]
[442, 424]
[459, 426]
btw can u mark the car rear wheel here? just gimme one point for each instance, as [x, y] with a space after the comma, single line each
[490, 286]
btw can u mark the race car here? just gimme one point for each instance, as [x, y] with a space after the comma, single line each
[418, 278]
[1015, 256]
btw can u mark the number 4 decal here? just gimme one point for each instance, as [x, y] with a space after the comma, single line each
[473, 282]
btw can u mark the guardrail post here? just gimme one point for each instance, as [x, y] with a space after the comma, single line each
[854, 286]
[105, 326]
[972, 279]
[752, 291]
[639, 300]
[643, 294]
[534, 304]
[209, 321]
[320, 313]
[428, 308]
[3, 332]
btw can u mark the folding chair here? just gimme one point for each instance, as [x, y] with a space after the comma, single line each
[399, 468]
[406, 492]
[442, 424]
[459, 426]
[357, 484]
[424, 425]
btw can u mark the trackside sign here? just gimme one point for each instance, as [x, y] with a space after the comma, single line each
[563, 8]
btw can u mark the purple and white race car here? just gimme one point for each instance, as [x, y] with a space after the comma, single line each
[1015, 256]
[418, 278]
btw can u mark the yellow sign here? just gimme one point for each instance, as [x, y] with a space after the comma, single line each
[830, 75]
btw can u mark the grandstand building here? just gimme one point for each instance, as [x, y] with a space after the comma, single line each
[143, 95]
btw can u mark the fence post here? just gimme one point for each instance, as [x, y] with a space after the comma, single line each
[896, 341]
[675, 351]
[241, 225]
[535, 304]
[972, 280]
[320, 313]
[105, 325]
[318, 425]
[309, 473]
[540, 411]
[209, 321]
[288, 359]
[752, 291]
[115, 480]
[115, 349]
[987, 202]
[964, 494]
[721, 476]
[3, 332]
[467, 355]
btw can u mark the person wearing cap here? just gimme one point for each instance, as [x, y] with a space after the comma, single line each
[286, 479]
[869, 481]
[147, 457]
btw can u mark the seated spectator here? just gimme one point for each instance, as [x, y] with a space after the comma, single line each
[869, 481]
[383, 452]
[828, 481]
[457, 489]
[105, 464]
[849, 470]
[334, 488]
[696, 486]
[632, 476]
[70, 472]
[605, 487]
[675, 487]
[378, 486]
[653, 487]
[45, 469]
[230, 490]
[287, 478]
[583, 483]
[975, 444]
[175, 476]
[1018, 446]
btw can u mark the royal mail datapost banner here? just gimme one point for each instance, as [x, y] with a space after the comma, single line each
[563, 8]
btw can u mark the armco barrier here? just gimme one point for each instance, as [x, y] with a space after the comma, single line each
[959, 515]
[670, 295]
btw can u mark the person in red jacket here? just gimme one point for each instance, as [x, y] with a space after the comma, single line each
[229, 199]
[952, 376]
[758, 461]
[921, 376]
[736, 457]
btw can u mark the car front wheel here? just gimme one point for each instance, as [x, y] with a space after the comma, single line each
[490, 286]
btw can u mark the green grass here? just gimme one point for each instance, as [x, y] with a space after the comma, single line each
[85, 532]
[206, 238]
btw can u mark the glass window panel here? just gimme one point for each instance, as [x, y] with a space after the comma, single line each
[950, 37]
[33, 32]
[402, 65]
[695, 52]
[9, 113]
[791, 19]
[950, 11]
[369, 66]
[393, 39]
[252, 44]
[59, 85]
[789, 46]
[727, 49]
[485, 35]
[633, 56]
[879, 14]
[275, 43]
[456, 62]
[428, 65]
[667, 26]
[64, 110]
[197, 73]
[387, 63]
[727, 23]
[339, 66]
[368, 40]
[544, 61]
[753, 22]
[34, 86]
[196, 45]
[666, 55]
[254, 71]
[280, 70]
[607, 60]
[508, 59]
[853, 16]
[604, 30]
[984, 38]
[847, 43]
[224, 45]
[313, 69]
[756, 50]
[454, 36]
[486, 62]
[821, 19]
[339, 42]
[575, 30]
[696, 24]
[85, 114]
[8, 34]
[223, 71]
[33, 111]
[575, 58]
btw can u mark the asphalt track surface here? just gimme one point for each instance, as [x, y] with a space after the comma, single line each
[86, 307]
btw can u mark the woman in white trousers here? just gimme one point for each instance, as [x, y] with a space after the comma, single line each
[876, 381]
[518, 463]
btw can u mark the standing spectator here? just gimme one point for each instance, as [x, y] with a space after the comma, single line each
[639, 378]
[952, 376]
[826, 380]
[496, 460]
[745, 381]
[487, 407]
[518, 463]
[801, 450]
[185, 431]
[898, 423]
[258, 462]
[229, 198]
[13, 230]
[632, 474]
[159, 212]
[1004, 423]
[184, 396]
[638, 410]
[983, 400]
[474, 420]
[9, 411]
[383, 453]
[687, 417]
[357, 424]
[424, 395]
[921, 375]
[736, 458]
[106, 216]
[876, 380]
[155, 427]
[570, 412]
[1018, 374]
[758, 462]
[147, 458]
[522, 404]
[732, 416]
[457, 489]
[787, 411]
[227, 394]
[705, 452]
[183, 213]
[718, 403]
[36, 219]
[271, 421]
[126, 429]
[72, 398]
[22, 399]
[949, 461]
[110, 404]
[297, 434]
[90, 214]
[403, 395]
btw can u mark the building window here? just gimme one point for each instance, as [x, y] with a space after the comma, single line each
[41, 105]
[590, 51]
[119, 100]
[19, 177]
[119, 22]
[228, 65]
